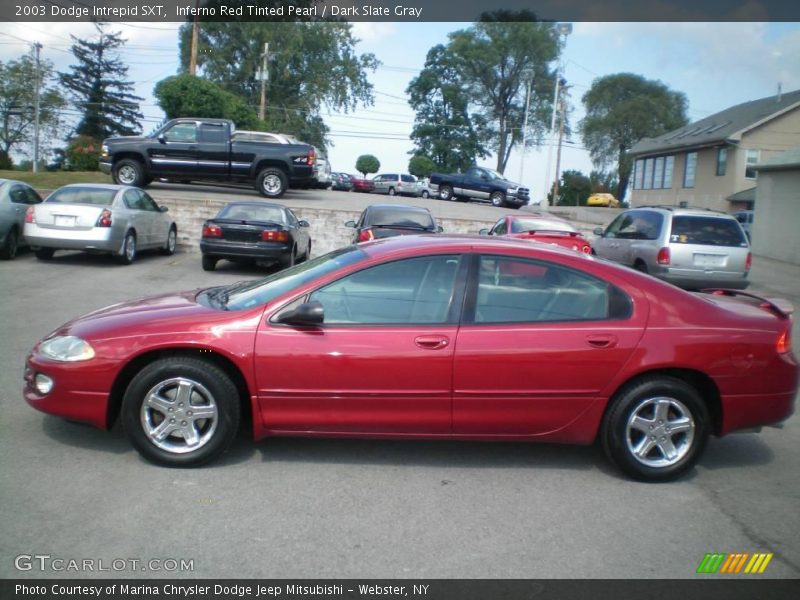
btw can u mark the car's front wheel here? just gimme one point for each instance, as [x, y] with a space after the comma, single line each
[181, 412]
[129, 172]
[446, 192]
[498, 199]
[9, 248]
[171, 243]
[656, 428]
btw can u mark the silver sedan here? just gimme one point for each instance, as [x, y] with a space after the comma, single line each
[116, 219]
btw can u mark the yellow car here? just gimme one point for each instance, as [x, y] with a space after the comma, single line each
[603, 200]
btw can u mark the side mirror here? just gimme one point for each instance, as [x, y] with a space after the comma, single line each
[304, 224]
[599, 231]
[308, 313]
[162, 138]
[351, 224]
[483, 231]
[163, 209]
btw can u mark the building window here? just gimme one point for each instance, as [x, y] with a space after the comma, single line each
[689, 169]
[648, 174]
[658, 174]
[669, 163]
[722, 161]
[751, 161]
[638, 176]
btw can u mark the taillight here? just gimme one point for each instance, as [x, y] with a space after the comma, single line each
[311, 157]
[748, 262]
[663, 256]
[270, 235]
[104, 220]
[29, 216]
[212, 231]
[587, 249]
[366, 235]
[784, 343]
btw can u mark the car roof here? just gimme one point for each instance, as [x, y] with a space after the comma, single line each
[535, 215]
[459, 242]
[256, 204]
[97, 186]
[675, 210]
[407, 207]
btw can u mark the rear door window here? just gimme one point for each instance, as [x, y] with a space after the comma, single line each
[707, 231]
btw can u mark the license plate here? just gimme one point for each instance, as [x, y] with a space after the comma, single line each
[65, 221]
[709, 260]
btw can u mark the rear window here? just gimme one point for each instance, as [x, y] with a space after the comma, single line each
[523, 225]
[707, 231]
[80, 195]
[390, 217]
[407, 178]
[252, 213]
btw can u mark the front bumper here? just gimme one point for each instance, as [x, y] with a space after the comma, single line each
[261, 250]
[105, 167]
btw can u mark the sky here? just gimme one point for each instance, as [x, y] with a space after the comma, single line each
[717, 65]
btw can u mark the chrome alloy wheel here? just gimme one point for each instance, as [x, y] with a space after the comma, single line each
[659, 432]
[179, 415]
[126, 175]
[271, 184]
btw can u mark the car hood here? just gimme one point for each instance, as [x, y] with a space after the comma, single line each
[162, 314]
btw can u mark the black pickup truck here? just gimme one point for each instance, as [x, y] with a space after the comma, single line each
[481, 184]
[192, 149]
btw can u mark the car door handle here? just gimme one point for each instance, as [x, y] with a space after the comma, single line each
[432, 342]
[602, 341]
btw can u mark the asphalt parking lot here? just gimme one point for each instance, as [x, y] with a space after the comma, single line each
[287, 508]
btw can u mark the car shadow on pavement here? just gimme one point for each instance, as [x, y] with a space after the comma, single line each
[103, 260]
[430, 453]
[736, 451]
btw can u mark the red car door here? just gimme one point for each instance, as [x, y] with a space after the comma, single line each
[538, 344]
[380, 363]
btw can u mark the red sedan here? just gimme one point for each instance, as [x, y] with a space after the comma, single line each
[362, 185]
[541, 227]
[455, 337]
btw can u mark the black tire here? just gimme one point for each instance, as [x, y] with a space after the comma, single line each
[171, 243]
[290, 259]
[129, 171]
[44, 253]
[640, 266]
[644, 417]
[306, 254]
[272, 182]
[209, 262]
[203, 387]
[497, 199]
[425, 194]
[128, 252]
[9, 249]
[392, 192]
[446, 193]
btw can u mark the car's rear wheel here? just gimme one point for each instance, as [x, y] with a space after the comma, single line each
[446, 192]
[128, 252]
[272, 182]
[656, 428]
[640, 266]
[171, 243]
[392, 192]
[209, 262]
[9, 249]
[128, 172]
[425, 194]
[498, 199]
[290, 259]
[44, 253]
[181, 412]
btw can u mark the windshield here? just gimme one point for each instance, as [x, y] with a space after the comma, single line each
[83, 195]
[391, 217]
[493, 174]
[247, 294]
[523, 225]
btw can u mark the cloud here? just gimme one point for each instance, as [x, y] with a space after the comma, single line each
[372, 32]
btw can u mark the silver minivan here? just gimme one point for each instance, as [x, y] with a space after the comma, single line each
[690, 248]
[395, 184]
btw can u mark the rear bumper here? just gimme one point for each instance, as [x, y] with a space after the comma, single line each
[703, 279]
[748, 411]
[97, 238]
[262, 250]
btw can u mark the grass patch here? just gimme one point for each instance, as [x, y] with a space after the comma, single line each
[49, 181]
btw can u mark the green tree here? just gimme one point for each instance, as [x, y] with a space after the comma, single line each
[421, 166]
[623, 109]
[17, 105]
[313, 66]
[496, 59]
[98, 87]
[83, 153]
[443, 128]
[574, 188]
[604, 181]
[189, 96]
[367, 163]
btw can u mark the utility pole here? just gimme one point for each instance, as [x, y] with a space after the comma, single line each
[263, 75]
[525, 129]
[195, 32]
[561, 30]
[37, 84]
[562, 115]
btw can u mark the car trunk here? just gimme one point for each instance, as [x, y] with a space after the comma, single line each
[68, 216]
[249, 232]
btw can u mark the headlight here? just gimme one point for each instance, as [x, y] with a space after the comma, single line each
[104, 150]
[66, 348]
